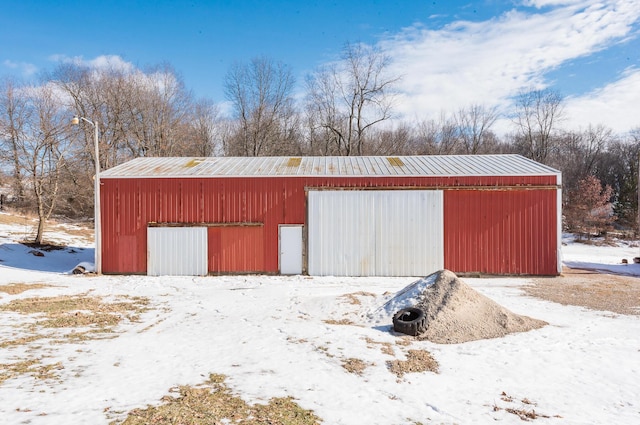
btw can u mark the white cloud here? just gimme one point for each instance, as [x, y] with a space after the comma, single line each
[489, 62]
[103, 62]
[26, 69]
[159, 79]
[614, 105]
[544, 3]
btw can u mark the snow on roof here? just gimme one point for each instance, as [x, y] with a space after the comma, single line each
[356, 166]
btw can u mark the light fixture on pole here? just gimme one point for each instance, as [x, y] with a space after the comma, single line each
[98, 250]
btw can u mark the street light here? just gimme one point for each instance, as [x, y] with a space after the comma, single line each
[98, 250]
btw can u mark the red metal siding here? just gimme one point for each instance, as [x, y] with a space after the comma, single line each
[501, 232]
[236, 249]
[471, 217]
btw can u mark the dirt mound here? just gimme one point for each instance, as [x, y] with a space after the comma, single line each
[457, 313]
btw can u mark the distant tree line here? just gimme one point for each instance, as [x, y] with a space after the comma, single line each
[346, 109]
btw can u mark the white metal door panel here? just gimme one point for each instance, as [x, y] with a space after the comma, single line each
[375, 232]
[341, 233]
[177, 251]
[290, 242]
[410, 240]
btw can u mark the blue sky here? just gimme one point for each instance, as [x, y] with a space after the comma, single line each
[450, 54]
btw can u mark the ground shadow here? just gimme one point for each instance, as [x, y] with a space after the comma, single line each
[44, 258]
[631, 269]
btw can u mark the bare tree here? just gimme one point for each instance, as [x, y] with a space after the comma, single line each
[99, 95]
[617, 167]
[204, 132]
[261, 94]
[15, 114]
[474, 128]
[597, 139]
[43, 150]
[538, 113]
[580, 152]
[139, 112]
[438, 137]
[392, 141]
[346, 99]
[158, 109]
[321, 140]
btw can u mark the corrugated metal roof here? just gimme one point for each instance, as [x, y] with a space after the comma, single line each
[425, 165]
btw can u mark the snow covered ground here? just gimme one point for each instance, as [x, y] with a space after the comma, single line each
[269, 335]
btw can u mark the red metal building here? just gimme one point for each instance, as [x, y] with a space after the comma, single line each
[401, 216]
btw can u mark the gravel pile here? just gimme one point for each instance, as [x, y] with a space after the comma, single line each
[457, 313]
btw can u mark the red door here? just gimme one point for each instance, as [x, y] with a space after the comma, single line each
[236, 249]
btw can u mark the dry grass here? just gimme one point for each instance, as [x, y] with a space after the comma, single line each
[66, 319]
[84, 230]
[385, 347]
[214, 403]
[11, 370]
[18, 288]
[525, 411]
[21, 341]
[353, 365]
[525, 414]
[338, 322]
[506, 397]
[17, 219]
[353, 298]
[90, 335]
[417, 361]
[52, 306]
[297, 340]
[79, 310]
[32, 367]
[103, 321]
[590, 289]
[404, 341]
[71, 312]
[29, 225]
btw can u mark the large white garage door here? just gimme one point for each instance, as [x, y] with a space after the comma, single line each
[375, 232]
[177, 251]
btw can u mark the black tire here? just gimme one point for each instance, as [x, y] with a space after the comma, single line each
[410, 321]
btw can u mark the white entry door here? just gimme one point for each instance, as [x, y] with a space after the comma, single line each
[290, 249]
[177, 251]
